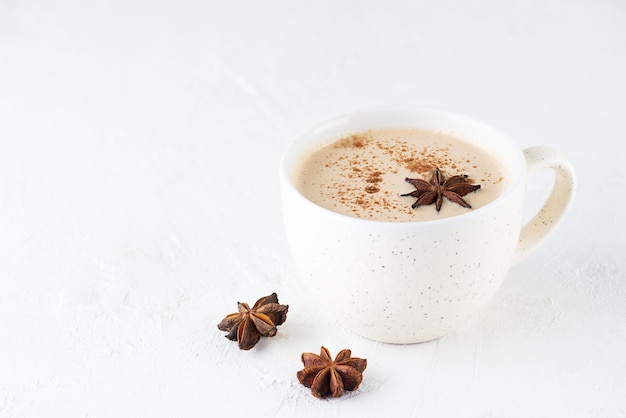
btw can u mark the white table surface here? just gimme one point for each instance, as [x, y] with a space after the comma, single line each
[139, 201]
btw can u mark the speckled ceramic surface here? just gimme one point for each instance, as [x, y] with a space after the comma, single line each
[414, 282]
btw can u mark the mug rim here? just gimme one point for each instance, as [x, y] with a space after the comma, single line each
[289, 157]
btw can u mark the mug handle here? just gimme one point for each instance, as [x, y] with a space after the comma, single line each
[558, 202]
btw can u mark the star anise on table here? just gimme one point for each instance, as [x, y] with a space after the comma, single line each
[433, 191]
[326, 376]
[249, 324]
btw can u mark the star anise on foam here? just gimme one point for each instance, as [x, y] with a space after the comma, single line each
[433, 191]
[249, 324]
[327, 377]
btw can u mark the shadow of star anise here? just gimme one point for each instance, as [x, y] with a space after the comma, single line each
[327, 377]
[249, 324]
[433, 191]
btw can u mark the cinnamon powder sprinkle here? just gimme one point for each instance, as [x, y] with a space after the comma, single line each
[418, 161]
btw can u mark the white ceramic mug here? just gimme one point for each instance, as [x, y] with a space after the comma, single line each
[412, 282]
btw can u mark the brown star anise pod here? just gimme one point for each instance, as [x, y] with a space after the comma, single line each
[433, 191]
[327, 377]
[248, 325]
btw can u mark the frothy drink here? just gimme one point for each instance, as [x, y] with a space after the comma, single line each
[363, 174]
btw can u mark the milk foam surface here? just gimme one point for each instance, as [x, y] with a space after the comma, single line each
[363, 174]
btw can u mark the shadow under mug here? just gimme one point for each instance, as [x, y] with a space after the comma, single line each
[410, 282]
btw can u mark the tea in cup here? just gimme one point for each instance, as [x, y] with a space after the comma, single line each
[403, 222]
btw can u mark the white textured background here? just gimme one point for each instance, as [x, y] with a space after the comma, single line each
[139, 150]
